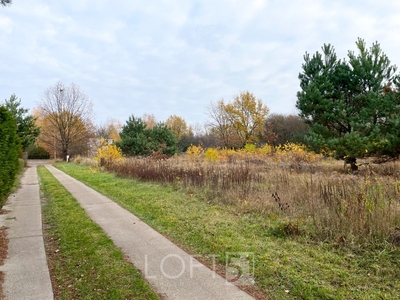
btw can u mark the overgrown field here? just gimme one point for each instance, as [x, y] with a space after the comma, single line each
[316, 230]
[310, 195]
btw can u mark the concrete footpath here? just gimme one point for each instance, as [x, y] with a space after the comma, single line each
[26, 271]
[172, 273]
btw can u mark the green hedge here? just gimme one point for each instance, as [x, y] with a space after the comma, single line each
[9, 150]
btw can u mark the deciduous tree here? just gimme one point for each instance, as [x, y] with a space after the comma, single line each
[177, 125]
[352, 107]
[183, 133]
[66, 114]
[240, 121]
[150, 120]
[110, 130]
[281, 129]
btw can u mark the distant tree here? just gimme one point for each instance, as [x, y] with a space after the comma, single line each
[27, 129]
[66, 114]
[353, 108]
[161, 138]
[137, 139]
[238, 122]
[181, 130]
[5, 2]
[133, 137]
[150, 120]
[109, 130]
[220, 124]
[281, 129]
[177, 125]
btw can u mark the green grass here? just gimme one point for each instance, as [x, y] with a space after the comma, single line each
[285, 267]
[84, 262]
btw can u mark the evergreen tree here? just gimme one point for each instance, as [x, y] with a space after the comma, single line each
[352, 107]
[137, 139]
[26, 124]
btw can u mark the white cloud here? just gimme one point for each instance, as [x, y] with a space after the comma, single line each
[6, 25]
[174, 57]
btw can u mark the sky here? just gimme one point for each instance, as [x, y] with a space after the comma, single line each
[175, 57]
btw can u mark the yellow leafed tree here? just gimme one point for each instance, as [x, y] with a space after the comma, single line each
[178, 126]
[241, 121]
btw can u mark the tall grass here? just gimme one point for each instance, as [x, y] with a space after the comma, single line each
[310, 195]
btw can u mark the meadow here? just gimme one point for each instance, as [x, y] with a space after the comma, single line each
[317, 230]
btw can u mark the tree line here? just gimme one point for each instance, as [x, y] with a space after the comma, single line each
[347, 108]
[65, 116]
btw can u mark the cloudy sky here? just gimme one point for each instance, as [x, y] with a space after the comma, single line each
[173, 57]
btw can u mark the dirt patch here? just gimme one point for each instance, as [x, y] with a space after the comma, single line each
[3, 244]
[4, 211]
[3, 255]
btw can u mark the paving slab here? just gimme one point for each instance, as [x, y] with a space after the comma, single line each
[26, 270]
[172, 272]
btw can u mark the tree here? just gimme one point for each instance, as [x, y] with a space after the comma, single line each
[133, 138]
[177, 125]
[239, 122]
[66, 113]
[110, 130]
[220, 124]
[183, 132]
[352, 107]
[137, 139]
[150, 120]
[5, 2]
[281, 129]
[27, 129]
[9, 150]
[161, 138]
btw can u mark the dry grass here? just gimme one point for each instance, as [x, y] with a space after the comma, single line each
[320, 198]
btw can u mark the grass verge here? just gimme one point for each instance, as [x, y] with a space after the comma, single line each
[285, 266]
[83, 261]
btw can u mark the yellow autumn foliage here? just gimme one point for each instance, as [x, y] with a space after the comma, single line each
[108, 152]
[211, 154]
[294, 153]
[194, 152]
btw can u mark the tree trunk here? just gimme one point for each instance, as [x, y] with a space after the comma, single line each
[353, 163]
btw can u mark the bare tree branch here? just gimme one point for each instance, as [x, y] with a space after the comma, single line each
[68, 113]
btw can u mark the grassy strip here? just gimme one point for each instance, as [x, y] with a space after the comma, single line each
[285, 267]
[84, 262]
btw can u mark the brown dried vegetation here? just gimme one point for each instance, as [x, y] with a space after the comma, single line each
[319, 199]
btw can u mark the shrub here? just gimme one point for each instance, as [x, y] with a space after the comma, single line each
[9, 150]
[211, 154]
[194, 152]
[108, 153]
[38, 153]
[295, 154]
[249, 148]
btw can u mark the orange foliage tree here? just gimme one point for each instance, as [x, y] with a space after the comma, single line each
[65, 115]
